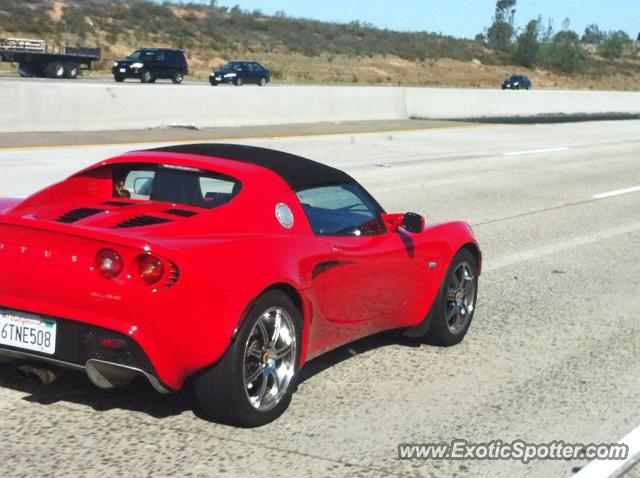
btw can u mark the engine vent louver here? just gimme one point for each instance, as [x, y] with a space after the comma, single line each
[140, 221]
[181, 212]
[173, 274]
[117, 203]
[78, 214]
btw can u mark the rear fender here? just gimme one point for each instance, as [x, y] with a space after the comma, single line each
[9, 203]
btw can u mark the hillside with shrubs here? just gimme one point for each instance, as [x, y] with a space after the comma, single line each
[299, 50]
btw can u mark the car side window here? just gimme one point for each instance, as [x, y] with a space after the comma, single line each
[341, 210]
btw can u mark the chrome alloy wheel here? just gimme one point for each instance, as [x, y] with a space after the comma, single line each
[269, 358]
[461, 295]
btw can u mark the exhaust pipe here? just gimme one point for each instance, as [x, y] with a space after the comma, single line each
[43, 375]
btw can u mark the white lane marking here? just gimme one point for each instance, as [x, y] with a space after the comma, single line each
[606, 468]
[535, 151]
[617, 192]
[557, 247]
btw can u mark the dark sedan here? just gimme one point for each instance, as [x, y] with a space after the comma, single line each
[517, 82]
[239, 73]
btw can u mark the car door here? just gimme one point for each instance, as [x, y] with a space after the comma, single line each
[249, 74]
[256, 73]
[244, 73]
[161, 65]
[368, 275]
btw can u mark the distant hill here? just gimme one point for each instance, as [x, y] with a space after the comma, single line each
[296, 50]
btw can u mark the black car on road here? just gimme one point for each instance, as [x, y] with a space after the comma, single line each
[517, 82]
[150, 64]
[239, 73]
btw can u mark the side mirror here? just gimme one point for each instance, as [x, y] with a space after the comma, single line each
[392, 221]
[413, 223]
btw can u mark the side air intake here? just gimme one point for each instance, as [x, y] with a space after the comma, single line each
[140, 221]
[180, 212]
[78, 214]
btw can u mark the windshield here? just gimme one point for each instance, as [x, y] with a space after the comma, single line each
[232, 66]
[174, 184]
[142, 55]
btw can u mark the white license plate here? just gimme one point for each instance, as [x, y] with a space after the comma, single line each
[28, 332]
[218, 78]
[123, 70]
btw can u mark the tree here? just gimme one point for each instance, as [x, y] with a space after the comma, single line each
[528, 45]
[593, 35]
[614, 44]
[501, 31]
[564, 52]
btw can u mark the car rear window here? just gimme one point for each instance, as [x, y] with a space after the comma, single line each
[174, 184]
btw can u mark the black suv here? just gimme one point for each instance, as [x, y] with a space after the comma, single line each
[516, 82]
[240, 72]
[150, 64]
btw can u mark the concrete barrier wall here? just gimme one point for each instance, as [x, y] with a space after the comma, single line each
[50, 106]
[457, 103]
[32, 106]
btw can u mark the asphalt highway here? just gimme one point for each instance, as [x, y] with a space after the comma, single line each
[553, 352]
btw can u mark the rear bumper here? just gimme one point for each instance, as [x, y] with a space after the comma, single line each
[78, 347]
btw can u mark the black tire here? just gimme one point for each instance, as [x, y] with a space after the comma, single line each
[440, 332]
[55, 69]
[213, 82]
[239, 82]
[177, 77]
[28, 70]
[147, 77]
[220, 391]
[118, 78]
[262, 82]
[71, 70]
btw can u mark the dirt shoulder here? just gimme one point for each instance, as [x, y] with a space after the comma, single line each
[164, 135]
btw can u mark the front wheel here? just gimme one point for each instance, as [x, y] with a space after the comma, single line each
[118, 78]
[253, 383]
[239, 82]
[263, 81]
[455, 303]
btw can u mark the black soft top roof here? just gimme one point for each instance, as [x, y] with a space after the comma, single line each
[300, 173]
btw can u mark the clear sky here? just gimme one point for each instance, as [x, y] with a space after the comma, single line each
[460, 18]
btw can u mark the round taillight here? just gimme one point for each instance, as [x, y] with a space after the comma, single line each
[150, 268]
[109, 263]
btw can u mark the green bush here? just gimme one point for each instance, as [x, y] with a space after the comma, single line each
[614, 44]
[564, 52]
[528, 46]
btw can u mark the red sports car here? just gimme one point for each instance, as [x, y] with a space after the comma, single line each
[230, 265]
